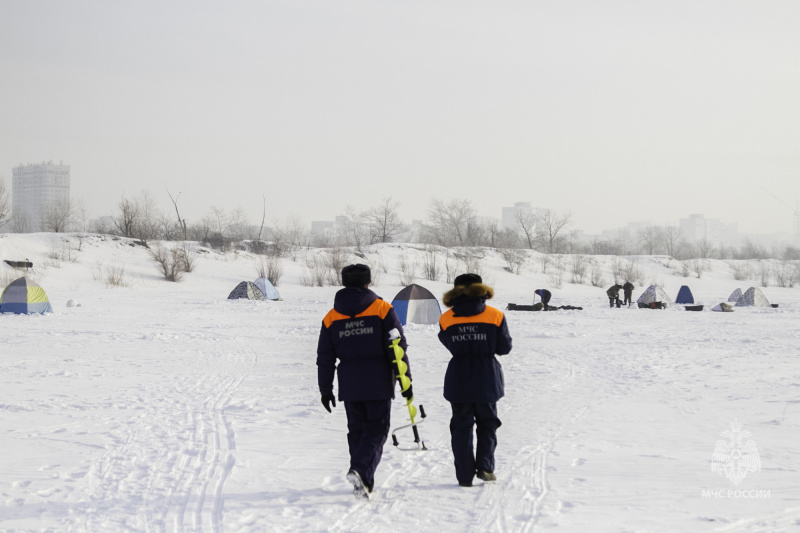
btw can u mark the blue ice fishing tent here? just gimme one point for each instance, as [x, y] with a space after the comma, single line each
[684, 296]
[416, 305]
[269, 290]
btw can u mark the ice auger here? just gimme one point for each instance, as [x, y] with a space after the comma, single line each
[405, 383]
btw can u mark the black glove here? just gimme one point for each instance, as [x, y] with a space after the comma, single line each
[328, 400]
[408, 393]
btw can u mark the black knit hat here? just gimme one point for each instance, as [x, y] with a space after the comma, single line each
[465, 280]
[357, 275]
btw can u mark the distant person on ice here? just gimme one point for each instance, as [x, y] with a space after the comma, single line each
[545, 295]
[474, 333]
[356, 332]
[627, 290]
[613, 295]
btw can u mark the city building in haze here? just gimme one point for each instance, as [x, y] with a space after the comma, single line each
[36, 188]
[511, 215]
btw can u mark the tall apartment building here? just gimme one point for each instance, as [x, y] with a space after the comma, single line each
[35, 188]
[698, 228]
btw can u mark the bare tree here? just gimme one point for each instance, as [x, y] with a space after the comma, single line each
[5, 206]
[238, 224]
[499, 237]
[699, 265]
[671, 239]
[167, 229]
[168, 262]
[579, 264]
[408, 270]
[200, 231]
[146, 225]
[383, 221]
[181, 221]
[703, 249]
[648, 238]
[125, 219]
[263, 217]
[514, 258]
[451, 221]
[58, 216]
[549, 226]
[353, 231]
[526, 222]
[431, 268]
[81, 215]
[219, 220]
[477, 232]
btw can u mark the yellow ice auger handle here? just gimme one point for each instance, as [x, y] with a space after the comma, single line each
[402, 369]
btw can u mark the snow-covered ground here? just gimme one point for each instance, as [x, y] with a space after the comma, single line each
[166, 407]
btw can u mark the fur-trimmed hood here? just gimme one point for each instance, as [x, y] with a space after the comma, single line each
[476, 291]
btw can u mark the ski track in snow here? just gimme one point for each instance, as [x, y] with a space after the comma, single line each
[167, 470]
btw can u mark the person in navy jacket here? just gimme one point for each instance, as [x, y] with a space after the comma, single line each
[356, 333]
[545, 295]
[474, 333]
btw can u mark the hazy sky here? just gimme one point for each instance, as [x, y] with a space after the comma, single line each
[614, 110]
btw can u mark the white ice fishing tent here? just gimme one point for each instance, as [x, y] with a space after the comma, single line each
[753, 297]
[735, 295]
[417, 305]
[269, 290]
[654, 295]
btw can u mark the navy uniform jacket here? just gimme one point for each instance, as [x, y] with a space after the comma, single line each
[474, 333]
[356, 332]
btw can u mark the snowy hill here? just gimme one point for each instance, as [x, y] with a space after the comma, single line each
[160, 406]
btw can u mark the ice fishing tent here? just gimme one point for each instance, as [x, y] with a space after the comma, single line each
[268, 289]
[735, 295]
[654, 296]
[685, 296]
[753, 297]
[416, 305]
[723, 307]
[24, 297]
[246, 290]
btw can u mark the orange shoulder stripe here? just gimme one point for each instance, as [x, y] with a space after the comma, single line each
[378, 308]
[489, 316]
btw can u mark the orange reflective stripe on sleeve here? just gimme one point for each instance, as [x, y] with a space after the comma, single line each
[489, 316]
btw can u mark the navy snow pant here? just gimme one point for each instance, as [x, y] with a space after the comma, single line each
[465, 417]
[367, 428]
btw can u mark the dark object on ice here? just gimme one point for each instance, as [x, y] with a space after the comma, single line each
[694, 307]
[652, 305]
[515, 307]
[19, 264]
[540, 307]
[774, 306]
